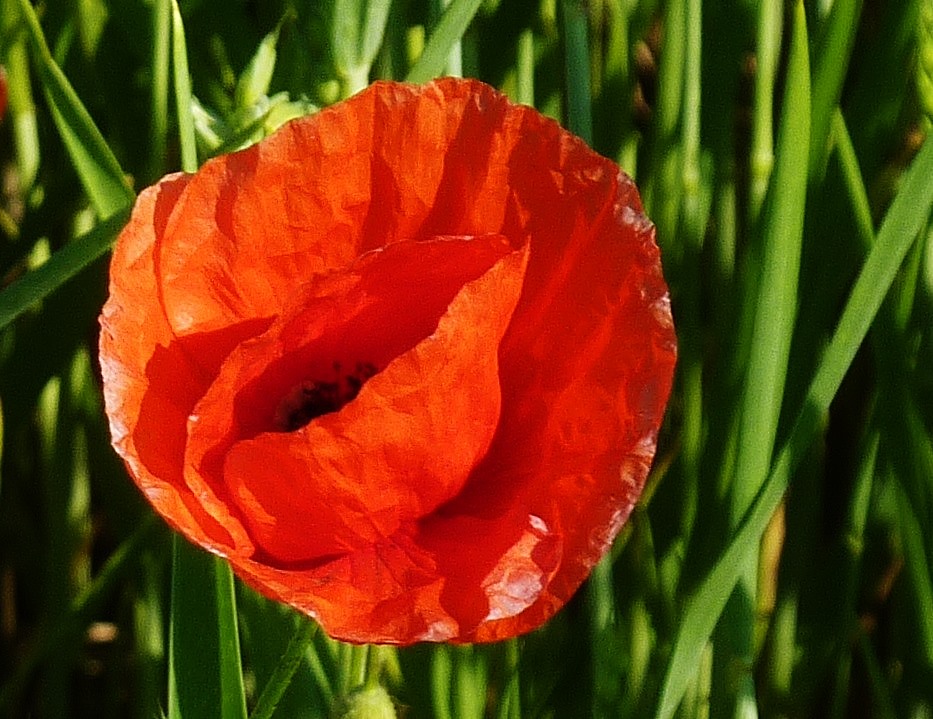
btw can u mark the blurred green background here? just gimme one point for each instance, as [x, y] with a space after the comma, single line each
[781, 150]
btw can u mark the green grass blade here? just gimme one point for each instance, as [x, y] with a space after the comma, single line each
[281, 678]
[161, 63]
[205, 678]
[770, 20]
[356, 31]
[448, 32]
[21, 109]
[905, 219]
[774, 301]
[830, 64]
[189, 151]
[98, 169]
[62, 266]
[253, 83]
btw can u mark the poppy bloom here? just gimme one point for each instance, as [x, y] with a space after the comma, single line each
[403, 363]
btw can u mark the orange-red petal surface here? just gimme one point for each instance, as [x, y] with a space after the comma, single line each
[404, 362]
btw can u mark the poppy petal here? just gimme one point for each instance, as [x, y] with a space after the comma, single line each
[405, 445]
[138, 356]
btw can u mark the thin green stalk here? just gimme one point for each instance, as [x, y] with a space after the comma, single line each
[356, 29]
[22, 110]
[831, 61]
[525, 75]
[694, 214]
[770, 20]
[442, 681]
[661, 194]
[149, 636]
[189, 150]
[772, 329]
[618, 66]
[454, 66]
[160, 67]
[602, 614]
[282, 676]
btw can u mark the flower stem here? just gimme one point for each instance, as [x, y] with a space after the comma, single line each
[282, 676]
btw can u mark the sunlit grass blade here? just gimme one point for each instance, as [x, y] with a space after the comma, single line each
[356, 30]
[761, 159]
[98, 169]
[182, 79]
[22, 109]
[775, 298]
[448, 32]
[62, 266]
[831, 60]
[205, 677]
[905, 219]
[161, 69]
[254, 81]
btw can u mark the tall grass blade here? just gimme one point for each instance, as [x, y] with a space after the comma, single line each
[205, 677]
[448, 32]
[98, 169]
[282, 676]
[61, 267]
[189, 151]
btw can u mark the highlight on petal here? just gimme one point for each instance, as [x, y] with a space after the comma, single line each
[403, 363]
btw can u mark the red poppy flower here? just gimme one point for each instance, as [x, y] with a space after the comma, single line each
[403, 363]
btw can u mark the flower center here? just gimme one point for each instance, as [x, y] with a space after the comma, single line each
[313, 398]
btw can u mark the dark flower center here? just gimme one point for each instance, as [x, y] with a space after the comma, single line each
[313, 398]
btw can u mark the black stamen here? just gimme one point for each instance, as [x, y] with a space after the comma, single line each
[315, 398]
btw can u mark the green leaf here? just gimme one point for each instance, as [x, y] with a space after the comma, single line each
[98, 169]
[62, 266]
[448, 32]
[205, 678]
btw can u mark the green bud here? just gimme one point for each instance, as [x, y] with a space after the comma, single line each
[365, 703]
